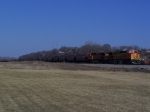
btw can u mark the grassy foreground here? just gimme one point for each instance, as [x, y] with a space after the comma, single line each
[73, 91]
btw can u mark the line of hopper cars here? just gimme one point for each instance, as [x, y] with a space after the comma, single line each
[120, 57]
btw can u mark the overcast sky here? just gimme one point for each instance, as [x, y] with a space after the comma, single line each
[35, 25]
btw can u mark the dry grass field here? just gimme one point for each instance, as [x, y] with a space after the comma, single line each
[32, 87]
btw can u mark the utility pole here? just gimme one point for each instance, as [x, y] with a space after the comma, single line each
[57, 44]
[52, 44]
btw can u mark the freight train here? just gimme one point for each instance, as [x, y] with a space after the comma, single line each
[119, 57]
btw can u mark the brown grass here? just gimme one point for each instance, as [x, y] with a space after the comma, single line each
[56, 90]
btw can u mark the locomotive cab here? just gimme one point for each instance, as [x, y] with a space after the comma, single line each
[134, 56]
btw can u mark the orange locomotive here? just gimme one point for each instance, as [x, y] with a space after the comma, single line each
[120, 57]
[95, 57]
[124, 57]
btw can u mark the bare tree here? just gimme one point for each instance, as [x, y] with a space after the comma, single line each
[106, 48]
[116, 48]
[90, 47]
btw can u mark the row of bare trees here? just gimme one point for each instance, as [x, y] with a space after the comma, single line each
[7, 59]
[88, 47]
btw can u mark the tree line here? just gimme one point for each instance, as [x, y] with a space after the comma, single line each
[7, 59]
